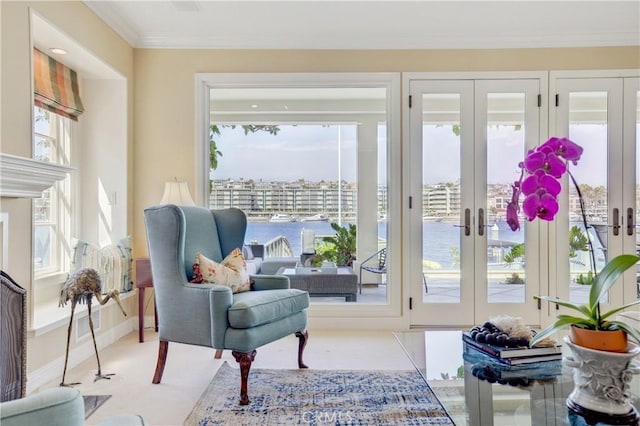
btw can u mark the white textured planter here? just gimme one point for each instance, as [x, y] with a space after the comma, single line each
[602, 378]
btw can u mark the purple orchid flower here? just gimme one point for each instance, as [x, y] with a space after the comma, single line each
[541, 180]
[565, 148]
[513, 208]
[544, 166]
[546, 161]
[540, 204]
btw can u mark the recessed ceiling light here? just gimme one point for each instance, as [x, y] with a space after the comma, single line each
[254, 106]
[58, 51]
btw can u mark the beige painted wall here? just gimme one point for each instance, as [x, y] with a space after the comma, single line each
[164, 108]
[79, 23]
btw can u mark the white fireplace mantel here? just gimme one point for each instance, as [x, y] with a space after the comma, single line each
[22, 177]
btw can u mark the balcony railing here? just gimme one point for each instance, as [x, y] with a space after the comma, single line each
[278, 247]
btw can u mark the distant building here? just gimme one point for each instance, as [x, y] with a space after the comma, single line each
[302, 198]
[441, 199]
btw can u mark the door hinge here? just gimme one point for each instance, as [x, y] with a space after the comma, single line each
[410, 202]
[539, 100]
[410, 101]
[557, 104]
[539, 304]
[410, 303]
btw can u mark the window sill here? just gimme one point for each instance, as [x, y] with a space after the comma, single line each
[49, 280]
[49, 316]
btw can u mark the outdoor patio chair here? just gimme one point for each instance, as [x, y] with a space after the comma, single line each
[377, 264]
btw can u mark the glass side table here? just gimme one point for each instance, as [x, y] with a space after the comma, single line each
[470, 400]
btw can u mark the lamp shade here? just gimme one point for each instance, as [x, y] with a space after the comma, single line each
[177, 193]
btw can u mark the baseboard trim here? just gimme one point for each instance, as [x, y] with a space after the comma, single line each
[149, 321]
[80, 353]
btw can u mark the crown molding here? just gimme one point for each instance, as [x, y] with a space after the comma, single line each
[116, 21]
[443, 41]
[22, 177]
[170, 27]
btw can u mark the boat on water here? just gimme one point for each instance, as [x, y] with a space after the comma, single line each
[283, 217]
[320, 217]
[428, 218]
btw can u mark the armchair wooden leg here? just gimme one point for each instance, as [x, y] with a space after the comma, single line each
[244, 359]
[302, 336]
[162, 359]
[218, 354]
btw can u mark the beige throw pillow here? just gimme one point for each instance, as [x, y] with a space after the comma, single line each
[231, 272]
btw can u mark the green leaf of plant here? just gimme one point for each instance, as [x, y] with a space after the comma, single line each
[583, 309]
[562, 321]
[616, 310]
[631, 331]
[608, 276]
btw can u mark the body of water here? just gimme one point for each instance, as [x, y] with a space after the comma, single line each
[439, 238]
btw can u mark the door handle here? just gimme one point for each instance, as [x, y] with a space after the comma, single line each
[630, 221]
[616, 221]
[467, 222]
[481, 222]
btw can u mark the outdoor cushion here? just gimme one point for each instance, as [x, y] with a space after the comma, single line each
[270, 265]
[253, 308]
[254, 265]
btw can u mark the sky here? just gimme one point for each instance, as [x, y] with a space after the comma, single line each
[311, 152]
[303, 151]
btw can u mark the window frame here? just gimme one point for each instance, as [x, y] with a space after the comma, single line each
[330, 314]
[62, 152]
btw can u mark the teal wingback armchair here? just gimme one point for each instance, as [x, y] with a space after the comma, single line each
[210, 315]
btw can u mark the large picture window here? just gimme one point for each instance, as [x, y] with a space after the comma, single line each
[307, 152]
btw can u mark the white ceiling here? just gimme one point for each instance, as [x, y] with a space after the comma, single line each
[396, 24]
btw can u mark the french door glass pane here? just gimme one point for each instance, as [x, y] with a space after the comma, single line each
[588, 127]
[505, 149]
[441, 159]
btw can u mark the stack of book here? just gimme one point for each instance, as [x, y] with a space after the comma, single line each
[513, 356]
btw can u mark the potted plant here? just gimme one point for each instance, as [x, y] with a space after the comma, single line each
[341, 247]
[586, 326]
[601, 377]
[600, 353]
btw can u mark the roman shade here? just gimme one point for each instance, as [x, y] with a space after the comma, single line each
[56, 86]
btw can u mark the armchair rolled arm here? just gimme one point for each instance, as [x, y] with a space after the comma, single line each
[64, 405]
[221, 300]
[270, 282]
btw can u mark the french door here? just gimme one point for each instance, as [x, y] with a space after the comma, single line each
[467, 137]
[602, 115]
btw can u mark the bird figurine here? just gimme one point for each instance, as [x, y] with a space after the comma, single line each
[81, 286]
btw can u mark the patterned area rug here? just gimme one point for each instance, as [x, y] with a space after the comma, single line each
[315, 397]
[92, 403]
